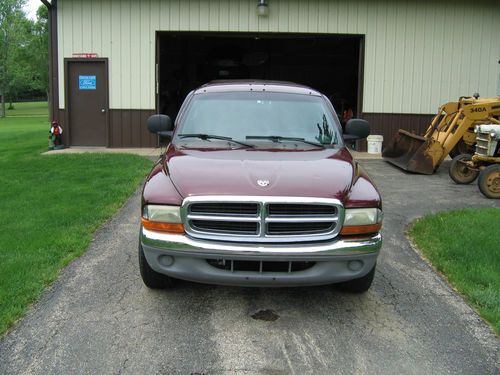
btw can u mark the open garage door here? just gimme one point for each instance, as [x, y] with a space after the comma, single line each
[328, 63]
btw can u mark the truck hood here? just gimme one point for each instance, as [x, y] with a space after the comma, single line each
[326, 173]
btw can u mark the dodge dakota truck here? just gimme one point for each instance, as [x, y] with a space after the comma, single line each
[257, 188]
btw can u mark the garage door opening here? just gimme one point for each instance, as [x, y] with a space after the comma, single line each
[329, 63]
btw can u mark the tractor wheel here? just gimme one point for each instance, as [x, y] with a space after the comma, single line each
[460, 172]
[489, 181]
[462, 148]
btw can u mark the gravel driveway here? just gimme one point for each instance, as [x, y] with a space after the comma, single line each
[98, 318]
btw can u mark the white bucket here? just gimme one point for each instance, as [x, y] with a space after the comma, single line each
[375, 144]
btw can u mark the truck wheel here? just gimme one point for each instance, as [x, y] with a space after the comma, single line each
[460, 172]
[489, 181]
[360, 285]
[150, 277]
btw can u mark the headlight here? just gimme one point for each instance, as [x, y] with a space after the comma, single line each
[162, 218]
[362, 221]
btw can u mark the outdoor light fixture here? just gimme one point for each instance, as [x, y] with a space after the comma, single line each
[262, 8]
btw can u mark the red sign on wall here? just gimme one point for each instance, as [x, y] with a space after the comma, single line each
[85, 55]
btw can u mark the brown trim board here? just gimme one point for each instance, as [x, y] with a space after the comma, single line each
[361, 75]
[53, 64]
[128, 128]
[388, 124]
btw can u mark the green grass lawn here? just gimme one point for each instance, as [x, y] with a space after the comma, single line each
[38, 109]
[464, 245]
[50, 205]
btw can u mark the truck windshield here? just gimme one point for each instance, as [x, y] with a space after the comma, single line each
[262, 117]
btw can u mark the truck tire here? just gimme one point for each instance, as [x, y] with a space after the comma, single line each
[459, 172]
[360, 285]
[489, 181]
[150, 277]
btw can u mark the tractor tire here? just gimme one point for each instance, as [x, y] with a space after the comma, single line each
[459, 172]
[360, 285]
[489, 181]
[150, 277]
[462, 148]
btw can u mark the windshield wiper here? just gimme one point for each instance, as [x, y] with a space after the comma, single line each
[206, 137]
[278, 138]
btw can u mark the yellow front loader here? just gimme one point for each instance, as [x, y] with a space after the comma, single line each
[451, 131]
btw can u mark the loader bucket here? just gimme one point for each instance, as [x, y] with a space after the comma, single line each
[413, 153]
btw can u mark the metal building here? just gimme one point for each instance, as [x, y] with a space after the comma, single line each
[115, 62]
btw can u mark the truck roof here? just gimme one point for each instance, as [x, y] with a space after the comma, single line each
[255, 85]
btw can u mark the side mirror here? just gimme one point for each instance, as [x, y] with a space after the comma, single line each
[356, 129]
[161, 125]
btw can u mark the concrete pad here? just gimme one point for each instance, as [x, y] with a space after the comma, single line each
[365, 155]
[146, 151]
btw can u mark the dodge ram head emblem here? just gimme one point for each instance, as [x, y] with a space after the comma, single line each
[263, 183]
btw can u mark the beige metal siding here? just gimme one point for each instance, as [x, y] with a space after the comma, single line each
[417, 53]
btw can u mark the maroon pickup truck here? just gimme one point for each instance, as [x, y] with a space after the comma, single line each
[257, 188]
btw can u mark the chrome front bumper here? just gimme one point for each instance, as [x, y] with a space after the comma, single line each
[186, 258]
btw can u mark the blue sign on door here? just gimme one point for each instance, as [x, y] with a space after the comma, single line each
[87, 82]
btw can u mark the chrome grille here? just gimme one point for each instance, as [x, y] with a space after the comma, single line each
[297, 209]
[226, 226]
[262, 219]
[224, 208]
[298, 228]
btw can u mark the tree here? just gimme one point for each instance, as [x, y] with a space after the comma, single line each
[24, 63]
[10, 39]
[20, 76]
[39, 52]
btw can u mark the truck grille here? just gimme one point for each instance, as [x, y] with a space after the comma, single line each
[485, 144]
[225, 226]
[298, 228]
[224, 208]
[283, 209]
[262, 219]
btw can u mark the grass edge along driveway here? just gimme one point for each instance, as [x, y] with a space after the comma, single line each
[463, 245]
[50, 205]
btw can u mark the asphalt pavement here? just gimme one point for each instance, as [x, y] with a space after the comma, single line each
[99, 318]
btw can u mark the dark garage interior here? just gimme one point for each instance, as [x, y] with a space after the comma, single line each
[328, 63]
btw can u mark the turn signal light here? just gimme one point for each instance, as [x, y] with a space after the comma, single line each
[361, 229]
[162, 227]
